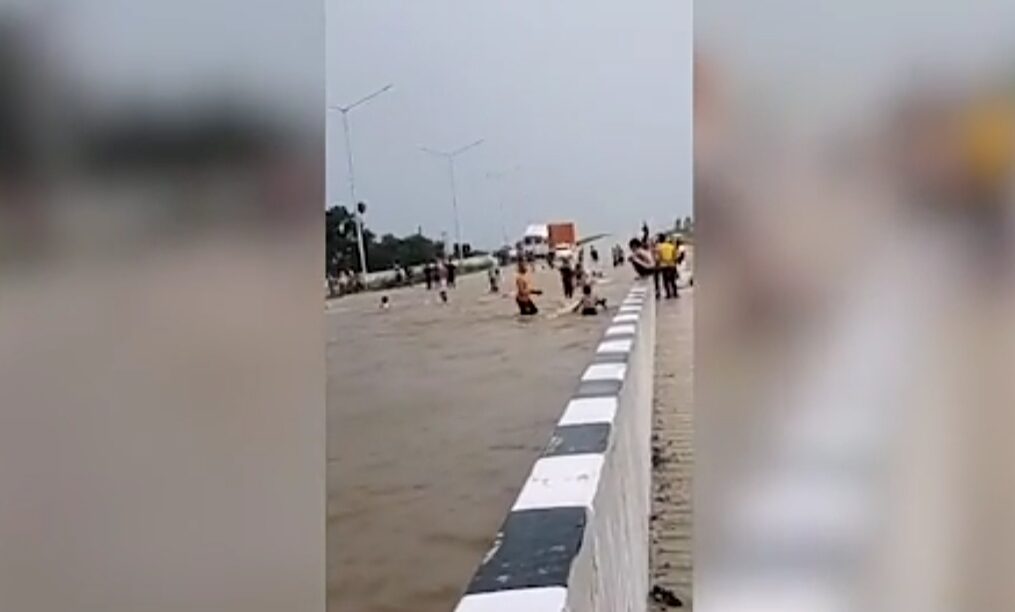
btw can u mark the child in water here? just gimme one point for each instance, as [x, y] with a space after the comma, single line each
[589, 303]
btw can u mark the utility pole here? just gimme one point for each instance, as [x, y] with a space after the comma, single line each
[450, 157]
[359, 208]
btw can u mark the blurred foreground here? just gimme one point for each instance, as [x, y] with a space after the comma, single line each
[855, 328]
[161, 380]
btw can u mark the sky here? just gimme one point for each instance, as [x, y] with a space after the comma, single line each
[818, 61]
[584, 105]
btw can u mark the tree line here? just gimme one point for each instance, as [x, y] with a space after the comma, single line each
[341, 250]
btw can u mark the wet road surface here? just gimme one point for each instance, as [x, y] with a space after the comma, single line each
[436, 412]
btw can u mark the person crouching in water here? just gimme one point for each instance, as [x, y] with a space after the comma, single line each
[589, 303]
[524, 291]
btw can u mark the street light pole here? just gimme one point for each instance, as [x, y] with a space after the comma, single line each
[352, 194]
[353, 202]
[450, 156]
[454, 206]
[500, 201]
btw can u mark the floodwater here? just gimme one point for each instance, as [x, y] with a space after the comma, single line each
[435, 415]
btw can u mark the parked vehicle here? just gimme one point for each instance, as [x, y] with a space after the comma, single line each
[562, 235]
[535, 241]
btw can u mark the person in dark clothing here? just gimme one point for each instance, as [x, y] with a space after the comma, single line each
[428, 275]
[451, 270]
[399, 273]
[567, 278]
[594, 254]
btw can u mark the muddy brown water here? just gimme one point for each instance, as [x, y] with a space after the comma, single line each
[435, 416]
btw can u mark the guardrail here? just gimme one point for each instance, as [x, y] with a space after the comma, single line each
[577, 537]
[384, 279]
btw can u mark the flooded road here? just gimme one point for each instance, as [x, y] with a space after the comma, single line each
[435, 415]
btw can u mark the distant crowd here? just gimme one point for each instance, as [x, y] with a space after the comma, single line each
[659, 258]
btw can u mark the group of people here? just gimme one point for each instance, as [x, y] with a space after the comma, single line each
[575, 273]
[618, 255]
[342, 283]
[572, 274]
[552, 258]
[660, 259]
[440, 273]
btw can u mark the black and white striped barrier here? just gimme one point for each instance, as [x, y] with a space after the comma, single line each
[576, 539]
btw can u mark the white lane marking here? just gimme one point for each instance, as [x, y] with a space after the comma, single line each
[615, 346]
[557, 482]
[620, 330]
[542, 599]
[586, 410]
[605, 371]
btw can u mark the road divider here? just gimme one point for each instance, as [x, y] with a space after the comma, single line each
[577, 537]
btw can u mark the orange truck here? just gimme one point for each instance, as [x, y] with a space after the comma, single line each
[561, 235]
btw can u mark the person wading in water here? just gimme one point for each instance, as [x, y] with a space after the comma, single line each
[524, 291]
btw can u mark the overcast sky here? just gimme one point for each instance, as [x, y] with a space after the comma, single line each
[584, 104]
[816, 61]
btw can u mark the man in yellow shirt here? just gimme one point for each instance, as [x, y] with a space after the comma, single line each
[666, 260]
[989, 143]
[988, 148]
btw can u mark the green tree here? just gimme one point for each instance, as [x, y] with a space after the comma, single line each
[340, 241]
[341, 249]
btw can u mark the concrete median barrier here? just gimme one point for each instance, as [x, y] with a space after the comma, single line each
[577, 536]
